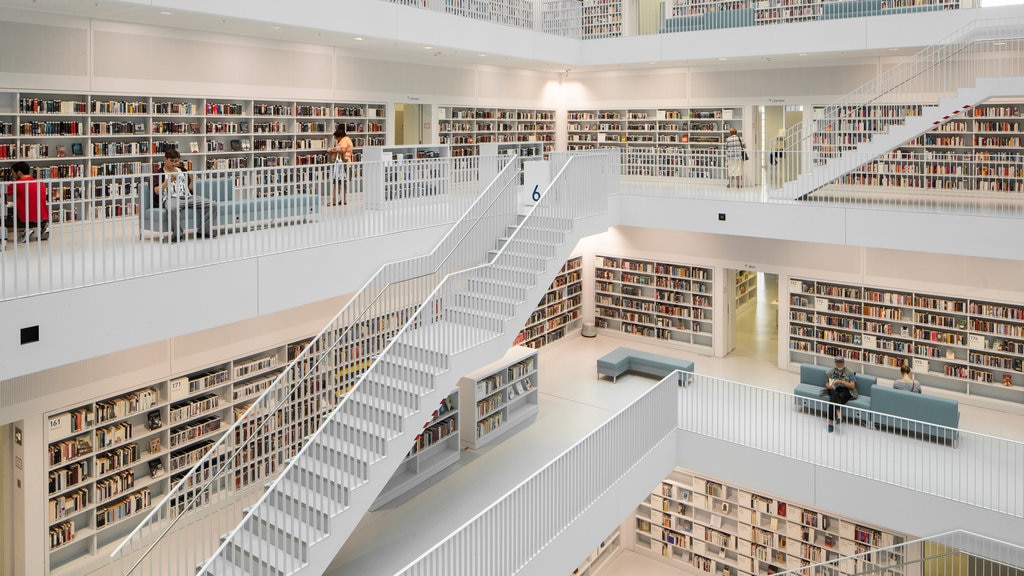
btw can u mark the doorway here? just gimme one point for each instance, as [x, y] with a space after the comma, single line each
[774, 121]
[412, 124]
[754, 330]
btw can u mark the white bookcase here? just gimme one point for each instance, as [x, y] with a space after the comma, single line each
[746, 290]
[112, 458]
[977, 151]
[653, 299]
[602, 19]
[659, 142]
[709, 526]
[467, 128]
[396, 173]
[499, 398]
[972, 346]
[558, 312]
[64, 135]
[435, 448]
[562, 18]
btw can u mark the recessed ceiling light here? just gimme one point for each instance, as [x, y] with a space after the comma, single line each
[893, 49]
[165, 13]
[276, 27]
[999, 43]
[358, 39]
[803, 53]
[481, 55]
[428, 47]
[723, 58]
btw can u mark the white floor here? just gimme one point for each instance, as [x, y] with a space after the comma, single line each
[572, 403]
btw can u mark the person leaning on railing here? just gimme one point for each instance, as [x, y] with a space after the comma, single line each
[840, 389]
[30, 203]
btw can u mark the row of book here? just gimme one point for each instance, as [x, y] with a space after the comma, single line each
[69, 476]
[117, 458]
[124, 508]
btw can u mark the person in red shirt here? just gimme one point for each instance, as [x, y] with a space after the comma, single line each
[30, 204]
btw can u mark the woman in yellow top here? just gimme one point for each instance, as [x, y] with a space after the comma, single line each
[342, 154]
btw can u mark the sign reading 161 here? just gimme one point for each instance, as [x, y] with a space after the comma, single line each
[536, 192]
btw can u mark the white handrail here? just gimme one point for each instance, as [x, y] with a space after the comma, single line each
[395, 287]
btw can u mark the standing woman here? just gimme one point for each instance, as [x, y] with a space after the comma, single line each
[734, 158]
[342, 153]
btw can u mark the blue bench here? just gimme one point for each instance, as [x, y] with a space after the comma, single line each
[712, 20]
[895, 405]
[622, 360]
[813, 379]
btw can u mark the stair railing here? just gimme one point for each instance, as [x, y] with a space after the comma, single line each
[180, 532]
[983, 48]
[410, 359]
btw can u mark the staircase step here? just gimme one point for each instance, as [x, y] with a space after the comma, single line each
[345, 455]
[518, 259]
[506, 306]
[362, 434]
[377, 409]
[326, 477]
[291, 493]
[394, 389]
[476, 318]
[545, 249]
[494, 287]
[554, 236]
[410, 349]
[309, 524]
[506, 273]
[257, 556]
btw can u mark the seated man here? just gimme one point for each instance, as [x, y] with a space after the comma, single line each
[31, 207]
[840, 389]
[175, 192]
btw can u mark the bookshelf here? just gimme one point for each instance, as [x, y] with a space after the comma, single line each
[667, 143]
[709, 526]
[391, 173]
[786, 11]
[558, 312]
[977, 151]
[112, 458]
[652, 299]
[434, 449]
[109, 460]
[561, 18]
[602, 554]
[972, 346]
[502, 397]
[746, 290]
[467, 128]
[518, 13]
[63, 135]
[601, 19]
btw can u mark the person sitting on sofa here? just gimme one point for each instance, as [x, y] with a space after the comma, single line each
[31, 209]
[906, 381]
[175, 191]
[840, 389]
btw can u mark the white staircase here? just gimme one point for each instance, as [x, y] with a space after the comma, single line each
[309, 512]
[333, 474]
[898, 131]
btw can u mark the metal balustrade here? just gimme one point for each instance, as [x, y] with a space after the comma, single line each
[330, 363]
[956, 552]
[911, 178]
[943, 82]
[556, 495]
[102, 228]
[957, 465]
[336, 441]
[592, 20]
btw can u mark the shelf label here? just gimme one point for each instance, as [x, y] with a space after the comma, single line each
[976, 341]
[59, 426]
[821, 304]
[178, 389]
[795, 287]
[870, 341]
[920, 365]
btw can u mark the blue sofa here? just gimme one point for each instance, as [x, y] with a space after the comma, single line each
[713, 20]
[622, 360]
[233, 211]
[864, 8]
[813, 379]
[892, 406]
